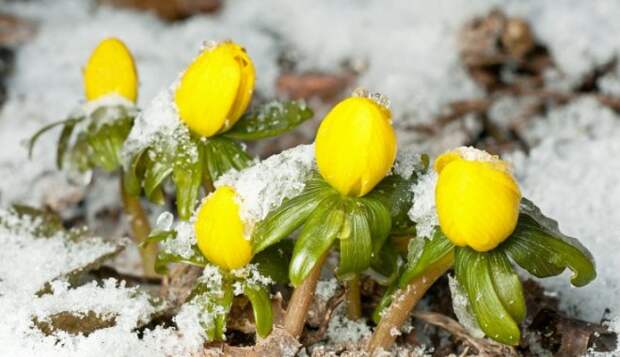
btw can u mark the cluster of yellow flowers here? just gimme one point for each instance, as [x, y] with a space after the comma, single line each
[477, 198]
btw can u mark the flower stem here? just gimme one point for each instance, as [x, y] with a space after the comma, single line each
[300, 301]
[404, 300]
[353, 298]
[140, 229]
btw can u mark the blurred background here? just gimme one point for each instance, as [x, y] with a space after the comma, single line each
[537, 82]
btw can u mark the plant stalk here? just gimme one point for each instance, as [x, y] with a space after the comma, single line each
[140, 229]
[404, 300]
[354, 298]
[299, 304]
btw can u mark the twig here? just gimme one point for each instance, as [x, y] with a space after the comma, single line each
[484, 347]
[331, 306]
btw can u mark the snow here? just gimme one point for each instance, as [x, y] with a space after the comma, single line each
[409, 53]
[30, 262]
[341, 329]
[573, 175]
[423, 212]
[264, 185]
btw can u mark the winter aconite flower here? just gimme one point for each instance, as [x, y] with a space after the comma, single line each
[216, 89]
[356, 145]
[477, 198]
[111, 70]
[220, 231]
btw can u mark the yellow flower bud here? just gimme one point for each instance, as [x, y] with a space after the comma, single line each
[477, 198]
[220, 232]
[355, 145]
[216, 89]
[111, 69]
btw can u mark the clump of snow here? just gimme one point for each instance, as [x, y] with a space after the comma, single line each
[249, 275]
[341, 329]
[183, 242]
[264, 185]
[460, 305]
[408, 162]
[582, 118]
[159, 128]
[423, 211]
[376, 97]
[28, 261]
[325, 289]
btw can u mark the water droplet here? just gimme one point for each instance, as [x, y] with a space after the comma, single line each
[164, 221]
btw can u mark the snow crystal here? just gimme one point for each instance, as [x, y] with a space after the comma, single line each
[263, 186]
[184, 240]
[407, 162]
[158, 125]
[423, 212]
[249, 275]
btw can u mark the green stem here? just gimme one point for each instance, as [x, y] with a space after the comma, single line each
[140, 229]
[299, 303]
[354, 298]
[403, 302]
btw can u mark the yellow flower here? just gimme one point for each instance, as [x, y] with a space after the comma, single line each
[355, 145]
[216, 89]
[477, 198]
[220, 230]
[111, 69]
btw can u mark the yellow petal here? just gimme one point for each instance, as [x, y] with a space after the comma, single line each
[477, 201]
[111, 69]
[216, 89]
[355, 146]
[220, 231]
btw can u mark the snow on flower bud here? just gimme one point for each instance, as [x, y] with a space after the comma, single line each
[356, 145]
[220, 232]
[110, 70]
[477, 198]
[216, 89]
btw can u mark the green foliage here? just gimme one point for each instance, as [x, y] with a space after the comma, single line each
[261, 306]
[539, 247]
[271, 119]
[223, 154]
[423, 253]
[273, 261]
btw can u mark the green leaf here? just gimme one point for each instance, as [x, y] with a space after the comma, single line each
[474, 274]
[379, 221]
[316, 237]
[261, 306]
[34, 138]
[63, 140]
[284, 220]
[395, 193]
[187, 177]
[507, 285]
[223, 154]
[271, 119]
[157, 235]
[132, 176]
[156, 172]
[273, 261]
[165, 258]
[355, 241]
[423, 253]
[386, 264]
[105, 148]
[539, 247]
